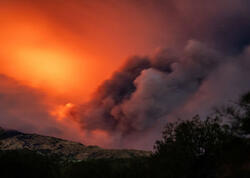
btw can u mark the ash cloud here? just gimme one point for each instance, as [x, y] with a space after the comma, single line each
[222, 23]
[189, 77]
[147, 92]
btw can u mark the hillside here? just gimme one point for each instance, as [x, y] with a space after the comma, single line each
[66, 150]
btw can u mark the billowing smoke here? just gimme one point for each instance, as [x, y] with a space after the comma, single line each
[205, 64]
[133, 106]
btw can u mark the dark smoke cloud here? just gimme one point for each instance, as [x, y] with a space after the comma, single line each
[225, 85]
[222, 23]
[149, 91]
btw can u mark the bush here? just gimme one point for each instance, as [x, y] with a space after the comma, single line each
[23, 163]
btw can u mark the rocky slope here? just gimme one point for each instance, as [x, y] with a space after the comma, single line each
[66, 150]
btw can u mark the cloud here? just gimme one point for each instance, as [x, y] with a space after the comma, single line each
[225, 85]
[143, 95]
[223, 23]
[179, 81]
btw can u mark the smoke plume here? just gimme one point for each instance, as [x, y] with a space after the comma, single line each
[147, 92]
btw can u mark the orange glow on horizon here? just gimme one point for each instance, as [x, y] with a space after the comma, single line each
[46, 68]
[61, 112]
[101, 137]
[35, 56]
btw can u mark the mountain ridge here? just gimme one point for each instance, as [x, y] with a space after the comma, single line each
[64, 149]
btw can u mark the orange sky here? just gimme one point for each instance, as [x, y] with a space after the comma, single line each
[35, 54]
[69, 48]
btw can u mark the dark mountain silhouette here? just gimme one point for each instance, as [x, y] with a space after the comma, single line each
[66, 150]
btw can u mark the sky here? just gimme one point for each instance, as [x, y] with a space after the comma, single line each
[113, 73]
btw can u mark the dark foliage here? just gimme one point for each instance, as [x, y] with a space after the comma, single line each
[122, 168]
[26, 164]
[238, 114]
[200, 149]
